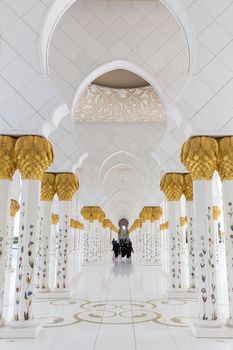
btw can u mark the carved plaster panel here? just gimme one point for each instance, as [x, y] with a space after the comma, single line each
[104, 104]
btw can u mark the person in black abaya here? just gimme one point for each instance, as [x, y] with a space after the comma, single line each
[116, 248]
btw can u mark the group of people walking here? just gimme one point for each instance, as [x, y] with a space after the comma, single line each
[122, 249]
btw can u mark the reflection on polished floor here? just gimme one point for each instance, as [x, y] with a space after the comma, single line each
[119, 305]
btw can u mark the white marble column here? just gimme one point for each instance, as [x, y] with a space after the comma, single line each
[191, 247]
[33, 155]
[200, 156]
[72, 235]
[157, 212]
[5, 188]
[191, 236]
[63, 233]
[14, 207]
[48, 190]
[45, 210]
[225, 168]
[107, 234]
[86, 240]
[172, 186]
[87, 234]
[7, 169]
[145, 216]
[53, 244]
[216, 215]
[66, 186]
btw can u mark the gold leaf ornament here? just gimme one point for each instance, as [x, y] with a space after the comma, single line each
[188, 187]
[66, 186]
[7, 157]
[54, 219]
[146, 213]
[172, 185]
[225, 168]
[216, 212]
[157, 212]
[200, 156]
[102, 217]
[96, 213]
[33, 154]
[86, 213]
[48, 187]
[183, 221]
[107, 223]
[14, 207]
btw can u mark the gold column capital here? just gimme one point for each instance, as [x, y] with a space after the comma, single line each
[114, 228]
[33, 154]
[66, 185]
[183, 221]
[14, 207]
[107, 223]
[102, 217]
[80, 225]
[225, 166]
[7, 157]
[96, 212]
[172, 185]
[164, 226]
[146, 213]
[216, 212]
[72, 223]
[188, 187]
[200, 156]
[157, 212]
[137, 223]
[48, 187]
[86, 213]
[54, 219]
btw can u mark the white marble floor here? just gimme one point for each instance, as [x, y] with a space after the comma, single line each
[115, 306]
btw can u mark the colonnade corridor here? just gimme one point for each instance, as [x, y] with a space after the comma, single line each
[117, 305]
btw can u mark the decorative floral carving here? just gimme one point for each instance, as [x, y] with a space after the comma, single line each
[103, 104]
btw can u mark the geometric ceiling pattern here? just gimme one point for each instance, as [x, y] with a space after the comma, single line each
[92, 33]
[198, 98]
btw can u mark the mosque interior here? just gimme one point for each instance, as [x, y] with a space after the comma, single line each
[116, 174]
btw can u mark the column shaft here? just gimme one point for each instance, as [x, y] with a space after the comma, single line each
[227, 187]
[24, 296]
[45, 213]
[174, 245]
[191, 246]
[205, 250]
[63, 231]
[5, 189]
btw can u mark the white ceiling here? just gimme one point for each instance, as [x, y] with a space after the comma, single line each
[28, 100]
[92, 33]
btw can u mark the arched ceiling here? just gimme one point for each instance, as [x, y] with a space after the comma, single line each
[120, 78]
[92, 33]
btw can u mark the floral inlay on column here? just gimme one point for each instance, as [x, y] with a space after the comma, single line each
[48, 190]
[66, 186]
[33, 155]
[157, 212]
[7, 169]
[188, 192]
[200, 156]
[172, 186]
[145, 216]
[14, 208]
[225, 169]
